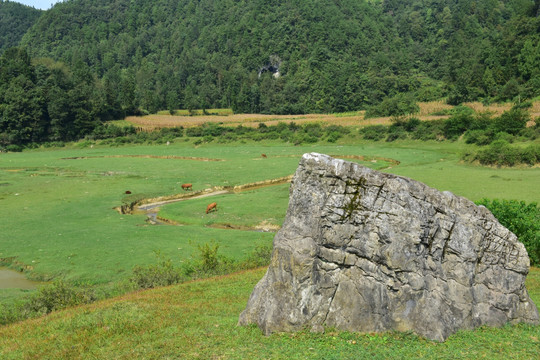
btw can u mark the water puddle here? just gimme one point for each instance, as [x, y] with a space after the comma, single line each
[10, 279]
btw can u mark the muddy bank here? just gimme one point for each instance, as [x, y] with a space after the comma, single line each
[11, 279]
[262, 227]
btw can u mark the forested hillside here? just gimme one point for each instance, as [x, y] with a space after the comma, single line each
[87, 61]
[330, 55]
[15, 20]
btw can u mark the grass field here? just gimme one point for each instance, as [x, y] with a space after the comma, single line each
[58, 221]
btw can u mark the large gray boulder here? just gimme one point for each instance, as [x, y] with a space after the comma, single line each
[366, 251]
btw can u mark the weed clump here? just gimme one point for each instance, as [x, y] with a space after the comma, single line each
[208, 262]
[56, 296]
[161, 274]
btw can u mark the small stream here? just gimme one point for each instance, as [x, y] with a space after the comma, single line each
[10, 279]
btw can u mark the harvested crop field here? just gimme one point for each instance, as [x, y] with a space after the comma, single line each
[428, 111]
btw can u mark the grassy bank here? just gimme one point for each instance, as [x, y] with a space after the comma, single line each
[198, 320]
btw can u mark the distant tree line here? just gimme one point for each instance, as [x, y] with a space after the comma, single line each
[43, 100]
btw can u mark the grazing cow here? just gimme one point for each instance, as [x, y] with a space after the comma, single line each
[263, 155]
[128, 192]
[212, 206]
[187, 187]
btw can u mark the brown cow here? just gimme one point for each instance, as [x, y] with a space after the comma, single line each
[187, 187]
[263, 155]
[128, 192]
[212, 206]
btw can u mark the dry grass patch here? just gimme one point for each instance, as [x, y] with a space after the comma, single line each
[427, 109]
[431, 107]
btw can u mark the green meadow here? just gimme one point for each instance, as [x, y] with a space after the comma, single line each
[57, 205]
[59, 221]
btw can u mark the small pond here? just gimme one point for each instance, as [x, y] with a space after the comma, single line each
[10, 279]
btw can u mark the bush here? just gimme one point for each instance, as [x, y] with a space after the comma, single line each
[520, 218]
[456, 125]
[14, 148]
[399, 105]
[260, 256]
[479, 137]
[161, 274]
[335, 132]
[412, 124]
[500, 152]
[512, 121]
[428, 130]
[374, 132]
[504, 136]
[396, 135]
[209, 262]
[56, 296]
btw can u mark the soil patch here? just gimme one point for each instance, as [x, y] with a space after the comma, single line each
[264, 226]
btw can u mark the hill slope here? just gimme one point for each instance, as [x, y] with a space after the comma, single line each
[198, 320]
[15, 20]
[331, 55]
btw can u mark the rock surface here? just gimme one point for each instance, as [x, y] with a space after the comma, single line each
[366, 251]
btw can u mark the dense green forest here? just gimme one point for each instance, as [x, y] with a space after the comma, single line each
[332, 55]
[15, 20]
[118, 57]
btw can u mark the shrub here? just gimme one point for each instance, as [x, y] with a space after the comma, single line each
[209, 262]
[500, 152]
[479, 137]
[196, 131]
[313, 130]
[456, 125]
[374, 132]
[504, 136]
[14, 148]
[411, 124]
[481, 121]
[59, 144]
[520, 218]
[399, 105]
[333, 137]
[56, 296]
[161, 274]
[428, 130]
[335, 132]
[396, 135]
[512, 121]
[260, 256]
